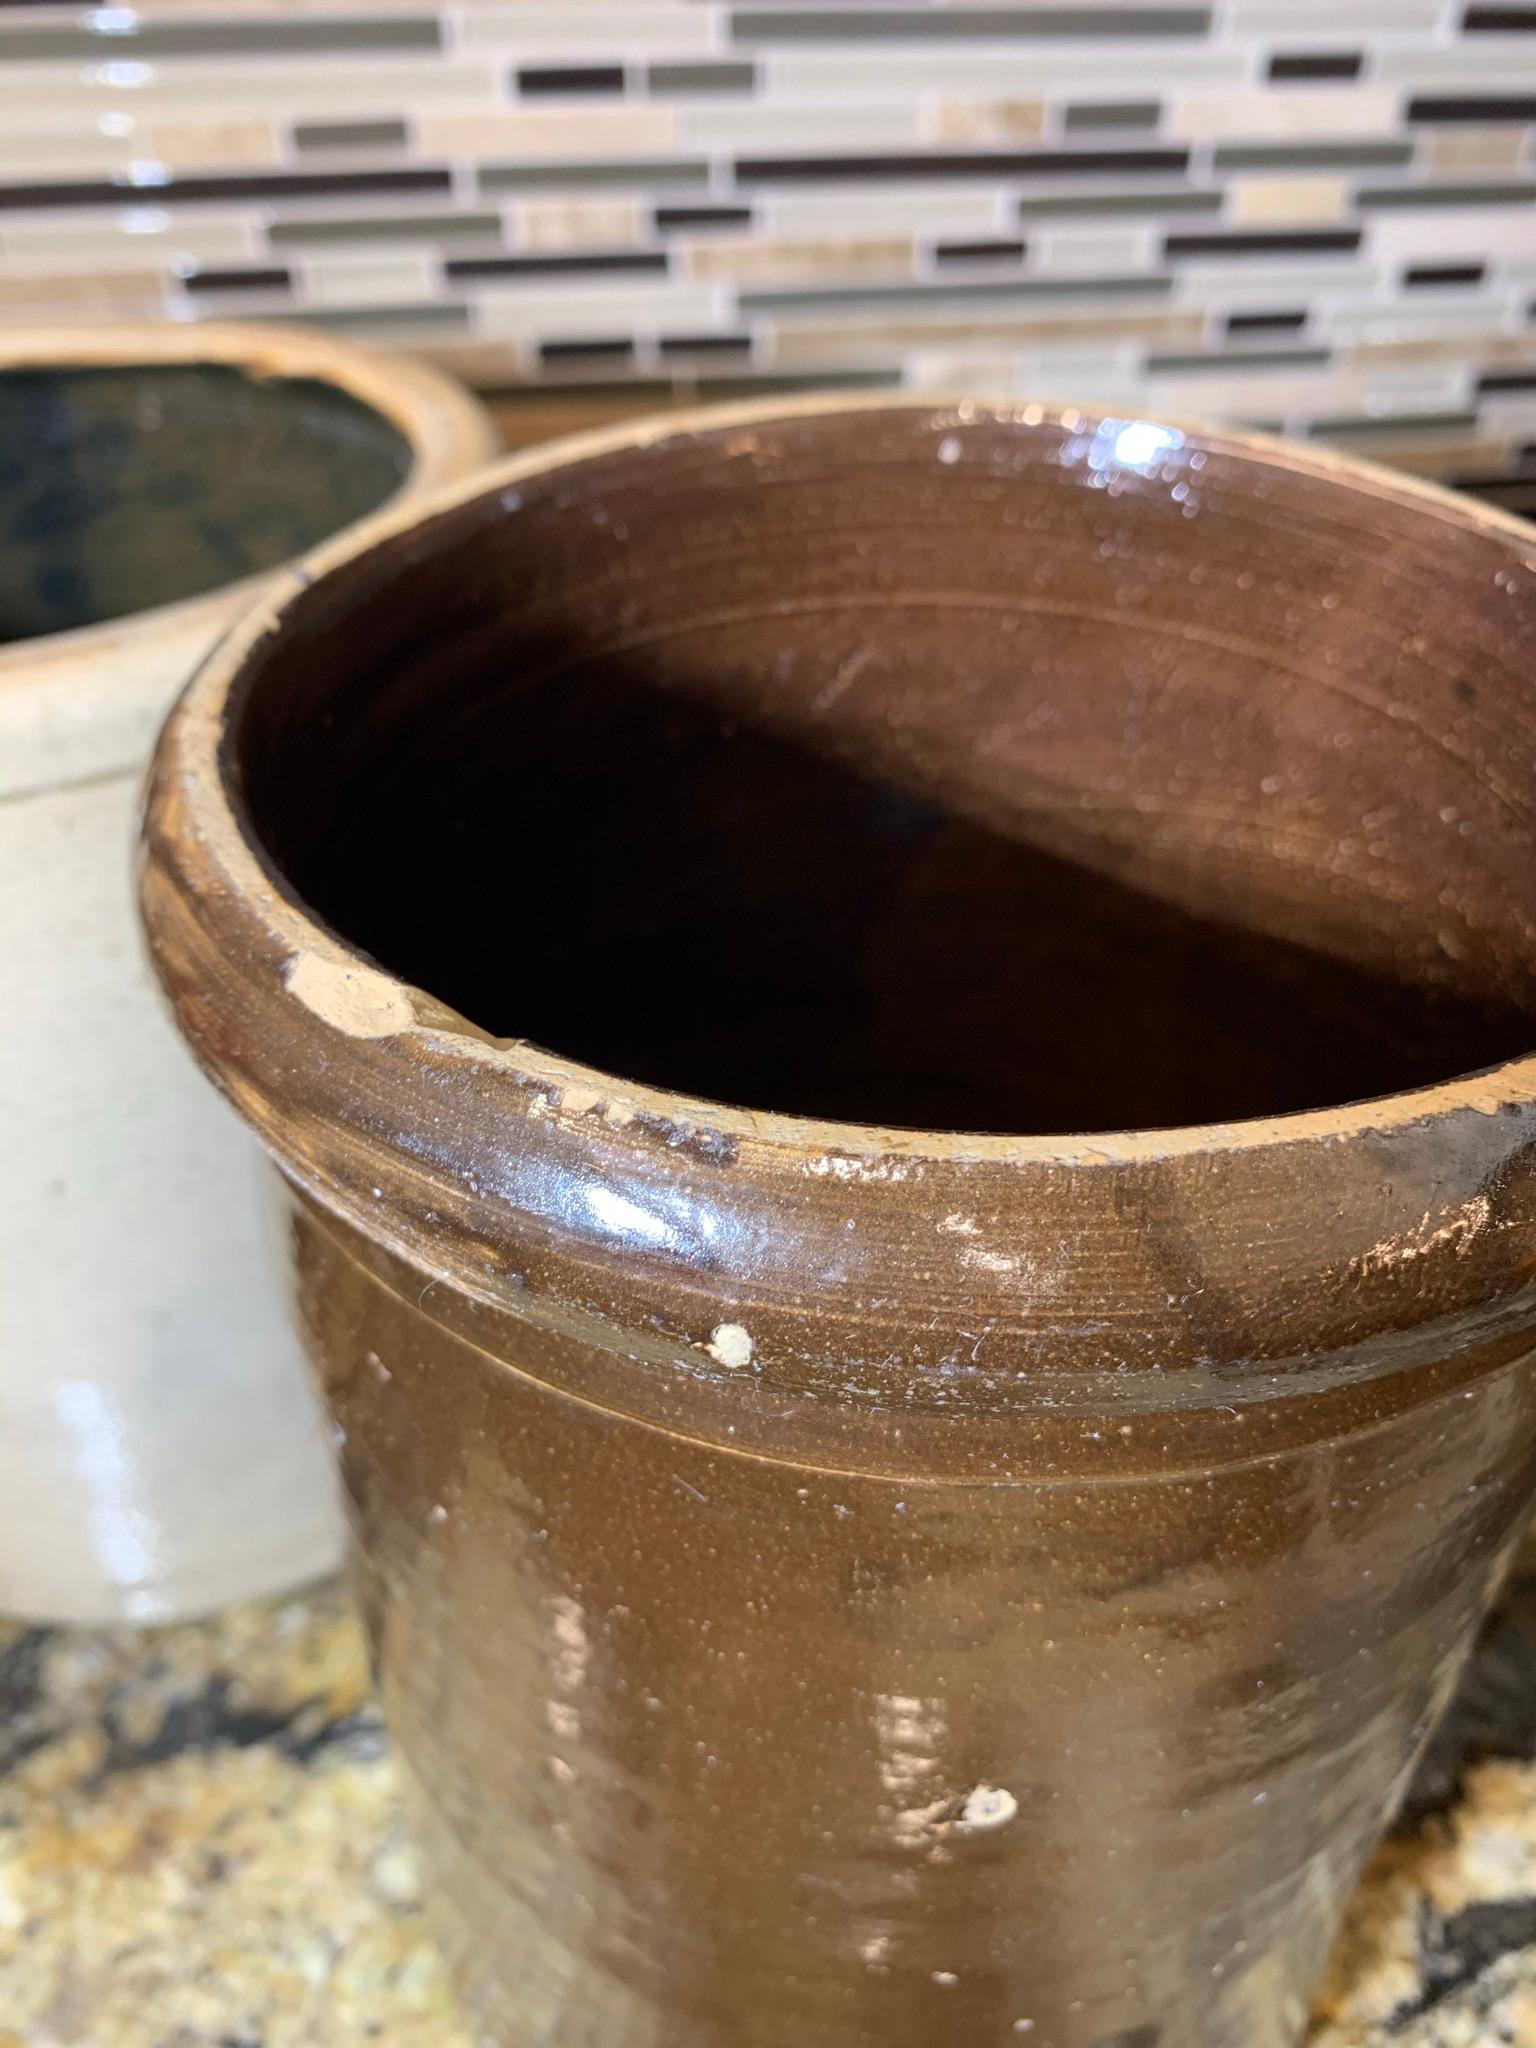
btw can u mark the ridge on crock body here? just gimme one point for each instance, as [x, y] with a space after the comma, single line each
[159, 1452]
[844, 1563]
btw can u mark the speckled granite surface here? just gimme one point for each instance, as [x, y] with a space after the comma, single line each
[201, 1847]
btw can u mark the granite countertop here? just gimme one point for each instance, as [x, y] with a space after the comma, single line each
[201, 1847]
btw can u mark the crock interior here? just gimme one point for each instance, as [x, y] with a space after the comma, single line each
[962, 773]
[128, 486]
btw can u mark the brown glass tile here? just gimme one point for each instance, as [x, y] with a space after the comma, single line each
[1275, 242]
[975, 163]
[991, 24]
[669, 217]
[590, 263]
[705, 344]
[978, 252]
[1502, 21]
[1287, 65]
[1507, 380]
[232, 185]
[542, 79]
[1266, 323]
[272, 279]
[1430, 274]
[1477, 107]
[599, 350]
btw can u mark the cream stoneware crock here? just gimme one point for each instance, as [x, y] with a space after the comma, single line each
[902, 1036]
[158, 1450]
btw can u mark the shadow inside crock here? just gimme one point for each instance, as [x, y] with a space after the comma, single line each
[709, 831]
[129, 486]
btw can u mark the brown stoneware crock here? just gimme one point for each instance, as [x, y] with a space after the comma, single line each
[902, 1038]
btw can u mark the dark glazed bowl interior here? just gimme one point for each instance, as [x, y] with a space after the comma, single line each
[130, 486]
[972, 772]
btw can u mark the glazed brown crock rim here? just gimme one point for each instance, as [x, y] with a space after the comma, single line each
[441, 424]
[375, 1002]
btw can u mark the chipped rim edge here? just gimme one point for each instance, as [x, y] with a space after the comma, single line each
[198, 728]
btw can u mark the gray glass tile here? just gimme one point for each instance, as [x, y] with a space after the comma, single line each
[1096, 114]
[236, 35]
[1176, 200]
[403, 227]
[437, 314]
[616, 171]
[1514, 192]
[951, 292]
[906, 25]
[1395, 423]
[1240, 359]
[323, 135]
[740, 76]
[1305, 156]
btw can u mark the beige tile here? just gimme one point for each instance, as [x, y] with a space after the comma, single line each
[741, 260]
[1438, 453]
[1409, 332]
[984, 121]
[1257, 394]
[844, 213]
[1482, 60]
[576, 223]
[75, 290]
[849, 336]
[381, 85]
[406, 279]
[1071, 252]
[1476, 149]
[587, 31]
[1303, 201]
[208, 145]
[975, 372]
[51, 313]
[591, 310]
[1330, 17]
[736, 124]
[579, 132]
[1351, 112]
[1435, 234]
[1051, 70]
[70, 147]
[128, 238]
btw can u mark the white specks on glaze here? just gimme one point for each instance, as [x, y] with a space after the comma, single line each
[730, 1345]
[358, 1000]
[1457, 1229]
[961, 1226]
[947, 1978]
[985, 1807]
[949, 449]
[842, 1166]
[437, 1514]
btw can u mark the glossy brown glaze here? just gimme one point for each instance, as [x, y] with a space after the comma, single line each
[982, 1570]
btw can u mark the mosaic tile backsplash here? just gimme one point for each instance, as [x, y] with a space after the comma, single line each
[1314, 215]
